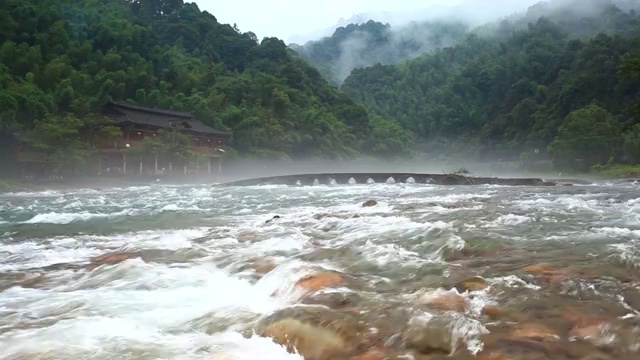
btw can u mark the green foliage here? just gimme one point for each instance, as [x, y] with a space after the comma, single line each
[506, 89]
[69, 140]
[617, 171]
[589, 136]
[387, 138]
[73, 56]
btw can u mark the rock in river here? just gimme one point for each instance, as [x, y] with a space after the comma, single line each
[315, 332]
[319, 281]
[472, 284]
[370, 203]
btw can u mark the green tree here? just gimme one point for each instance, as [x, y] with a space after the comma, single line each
[69, 140]
[588, 137]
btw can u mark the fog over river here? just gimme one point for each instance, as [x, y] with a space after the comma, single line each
[425, 272]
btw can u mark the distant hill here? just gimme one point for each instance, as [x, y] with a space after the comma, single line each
[362, 45]
[564, 76]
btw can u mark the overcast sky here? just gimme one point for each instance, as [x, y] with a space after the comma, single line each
[285, 18]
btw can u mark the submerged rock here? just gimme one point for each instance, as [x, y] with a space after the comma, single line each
[374, 354]
[444, 333]
[24, 280]
[263, 267]
[319, 281]
[492, 312]
[335, 216]
[472, 284]
[310, 341]
[535, 331]
[334, 300]
[444, 301]
[316, 333]
[112, 259]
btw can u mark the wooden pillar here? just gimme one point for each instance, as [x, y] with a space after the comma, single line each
[124, 164]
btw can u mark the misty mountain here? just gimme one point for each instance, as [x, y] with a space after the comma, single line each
[356, 46]
[389, 37]
[471, 12]
[579, 19]
[513, 86]
[393, 37]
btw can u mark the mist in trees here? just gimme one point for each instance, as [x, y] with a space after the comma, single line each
[503, 93]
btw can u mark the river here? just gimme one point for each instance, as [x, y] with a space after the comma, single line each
[429, 272]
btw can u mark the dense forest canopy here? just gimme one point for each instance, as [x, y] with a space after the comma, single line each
[362, 45]
[61, 60]
[520, 89]
[557, 81]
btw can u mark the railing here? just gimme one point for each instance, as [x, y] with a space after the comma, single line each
[121, 144]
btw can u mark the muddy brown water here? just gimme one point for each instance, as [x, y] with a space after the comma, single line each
[276, 272]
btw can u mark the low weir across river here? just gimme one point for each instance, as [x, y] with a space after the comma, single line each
[364, 178]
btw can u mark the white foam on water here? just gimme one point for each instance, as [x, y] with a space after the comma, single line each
[147, 310]
[133, 304]
[509, 220]
[67, 218]
[80, 249]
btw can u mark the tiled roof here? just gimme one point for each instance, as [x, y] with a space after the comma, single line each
[160, 118]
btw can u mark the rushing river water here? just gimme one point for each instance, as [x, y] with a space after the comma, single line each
[429, 272]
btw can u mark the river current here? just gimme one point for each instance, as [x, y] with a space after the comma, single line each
[277, 272]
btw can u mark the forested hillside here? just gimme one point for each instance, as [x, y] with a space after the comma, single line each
[61, 60]
[370, 43]
[524, 88]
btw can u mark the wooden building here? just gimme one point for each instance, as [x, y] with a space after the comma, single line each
[138, 123]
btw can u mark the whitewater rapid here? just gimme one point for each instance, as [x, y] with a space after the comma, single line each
[197, 288]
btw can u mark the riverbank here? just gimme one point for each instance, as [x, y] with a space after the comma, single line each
[617, 171]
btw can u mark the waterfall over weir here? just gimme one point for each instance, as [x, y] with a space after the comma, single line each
[367, 178]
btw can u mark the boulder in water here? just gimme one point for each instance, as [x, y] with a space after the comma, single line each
[316, 333]
[314, 343]
[370, 203]
[273, 219]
